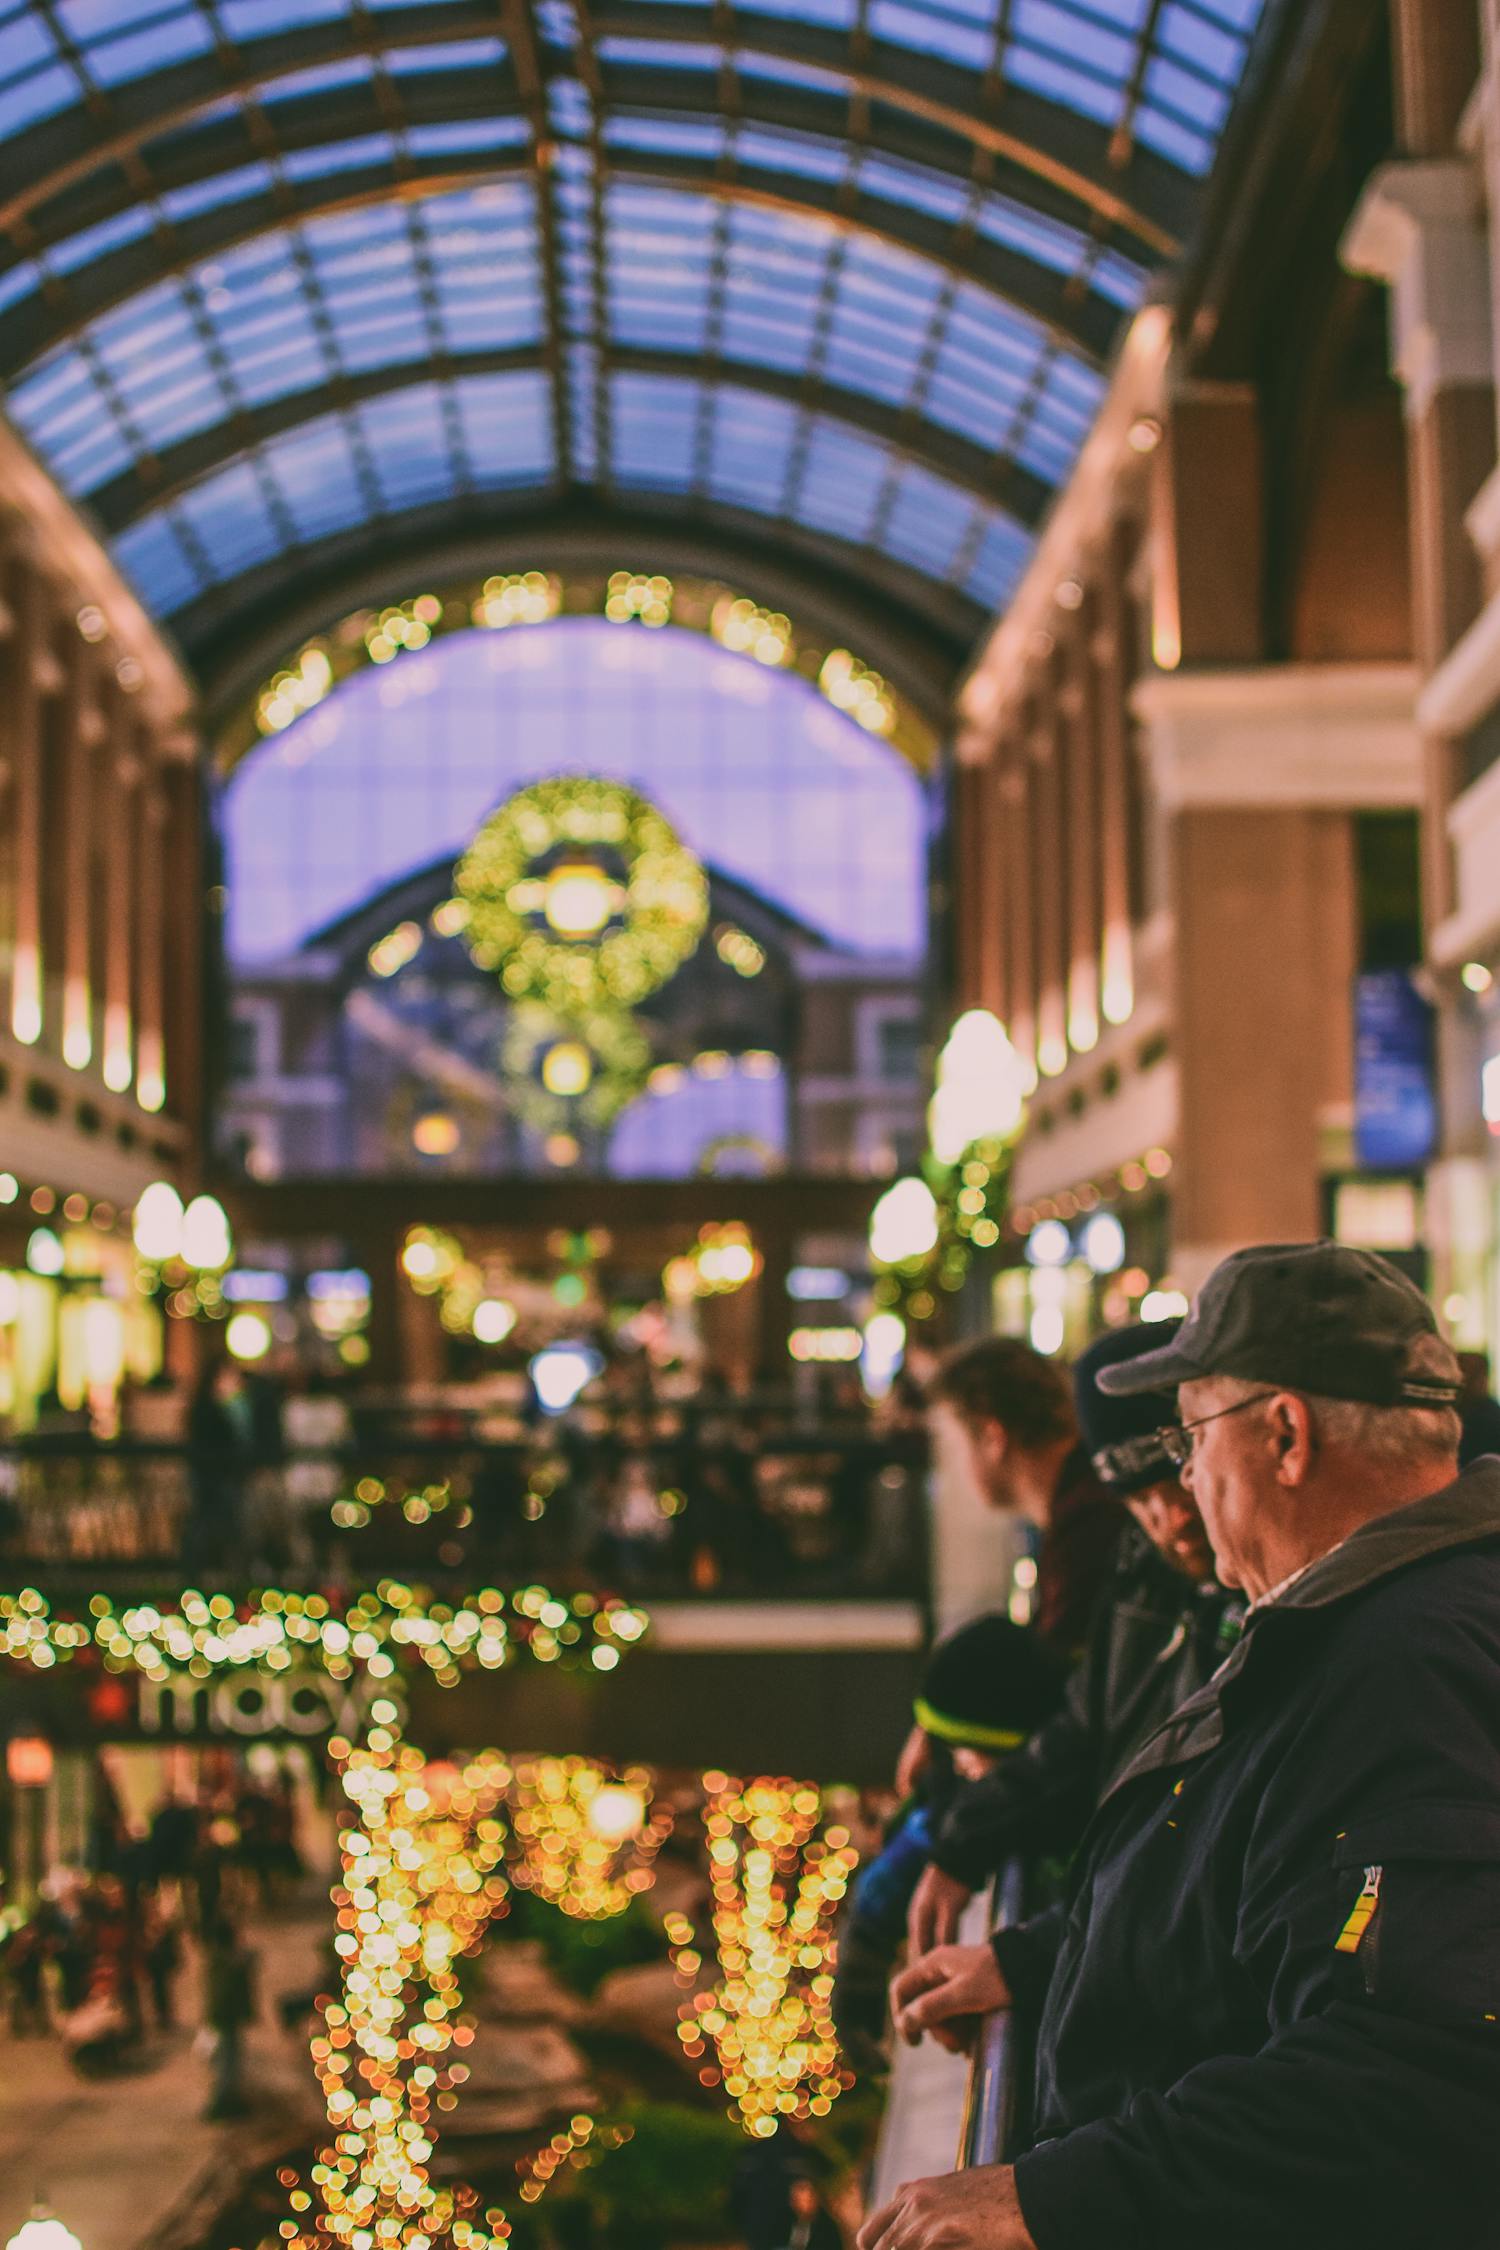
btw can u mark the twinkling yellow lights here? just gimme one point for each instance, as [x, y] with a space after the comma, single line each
[422, 1879]
[777, 1883]
[301, 687]
[521, 598]
[721, 1261]
[633, 596]
[764, 634]
[586, 1840]
[854, 688]
[407, 627]
[582, 2143]
[378, 1632]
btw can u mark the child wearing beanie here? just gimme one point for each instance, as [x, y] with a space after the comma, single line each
[985, 1691]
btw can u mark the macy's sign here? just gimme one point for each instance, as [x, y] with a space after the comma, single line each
[259, 1703]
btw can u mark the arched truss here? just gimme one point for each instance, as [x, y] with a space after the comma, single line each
[277, 276]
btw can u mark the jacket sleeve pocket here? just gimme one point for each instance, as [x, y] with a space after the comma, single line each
[1430, 1949]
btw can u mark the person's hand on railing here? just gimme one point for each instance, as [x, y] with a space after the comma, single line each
[936, 1907]
[976, 2210]
[946, 1993]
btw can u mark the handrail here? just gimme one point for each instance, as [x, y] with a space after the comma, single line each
[989, 2106]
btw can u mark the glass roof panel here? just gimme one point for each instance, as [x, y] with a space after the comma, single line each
[840, 322]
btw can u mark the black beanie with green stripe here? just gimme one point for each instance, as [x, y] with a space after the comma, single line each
[988, 1686]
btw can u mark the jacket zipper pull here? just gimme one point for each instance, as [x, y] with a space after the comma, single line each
[1351, 1935]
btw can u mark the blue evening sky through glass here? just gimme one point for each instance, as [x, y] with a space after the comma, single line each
[760, 775]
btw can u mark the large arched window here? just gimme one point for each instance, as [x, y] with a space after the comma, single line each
[340, 835]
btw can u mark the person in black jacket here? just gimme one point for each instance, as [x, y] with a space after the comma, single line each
[1271, 2013]
[1164, 1625]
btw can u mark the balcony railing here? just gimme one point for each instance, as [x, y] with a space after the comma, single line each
[987, 2132]
[706, 1507]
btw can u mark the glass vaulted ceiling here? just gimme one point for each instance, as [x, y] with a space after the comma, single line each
[279, 278]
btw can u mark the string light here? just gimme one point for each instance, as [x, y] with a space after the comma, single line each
[583, 2142]
[586, 1841]
[422, 1879]
[777, 1884]
[534, 597]
[379, 1631]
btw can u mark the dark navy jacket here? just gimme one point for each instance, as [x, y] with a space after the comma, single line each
[1156, 1638]
[1216, 2068]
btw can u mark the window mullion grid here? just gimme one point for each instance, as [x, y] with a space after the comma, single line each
[812, 379]
[164, 234]
[713, 341]
[264, 139]
[720, 249]
[915, 408]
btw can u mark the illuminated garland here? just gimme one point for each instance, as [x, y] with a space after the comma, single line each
[608, 1058]
[582, 2144]
[776, 1888]
[658, 917]
[587, 1841]
[421, 1882]
[971, 1199]
[628, 598]
[273, 1630]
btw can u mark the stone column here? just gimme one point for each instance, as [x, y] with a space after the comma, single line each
[1050, 864]
[1080, 739]
[186, 932]
[78, 731]
[1419, 228]
[150, 997]
[120, 780]
[1112, 687]
[1016, 796]
[991, 979]
[22, 721]
[1259, 772]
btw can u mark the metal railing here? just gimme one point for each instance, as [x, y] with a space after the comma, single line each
[705, 1509]
[985, 2135]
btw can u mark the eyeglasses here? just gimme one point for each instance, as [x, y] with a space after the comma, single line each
[1177, 1441]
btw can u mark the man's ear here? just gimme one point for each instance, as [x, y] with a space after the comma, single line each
[1293, 1437]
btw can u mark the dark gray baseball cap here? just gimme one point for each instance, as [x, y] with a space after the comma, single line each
[1308, 1316]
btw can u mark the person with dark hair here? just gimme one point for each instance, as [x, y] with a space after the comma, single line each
[985, 1691]
[1165, 1624]
[1013, 1409]
[1267, 2015]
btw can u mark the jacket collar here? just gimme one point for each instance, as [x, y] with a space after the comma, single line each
[1464, 1512]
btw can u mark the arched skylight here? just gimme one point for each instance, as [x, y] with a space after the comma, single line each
[276, 270]
[760, 775]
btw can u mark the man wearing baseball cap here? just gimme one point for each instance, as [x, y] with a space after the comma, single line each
[1162, 1627]
[1274, 2013]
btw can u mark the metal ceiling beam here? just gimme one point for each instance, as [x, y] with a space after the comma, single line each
[528, 58]
[158, 479]
[1084, 324]
[918, 632]
[1066, 154]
